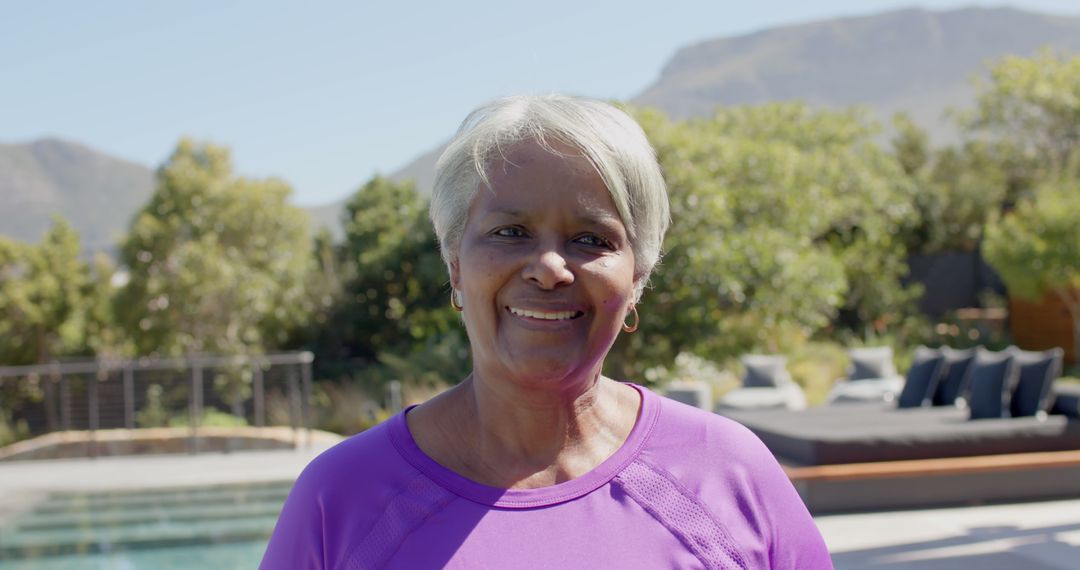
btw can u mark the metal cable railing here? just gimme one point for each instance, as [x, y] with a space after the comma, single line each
[256, 390]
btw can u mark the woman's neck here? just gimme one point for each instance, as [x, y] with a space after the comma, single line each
[507, 435]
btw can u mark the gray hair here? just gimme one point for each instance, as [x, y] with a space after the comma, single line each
[609, 138]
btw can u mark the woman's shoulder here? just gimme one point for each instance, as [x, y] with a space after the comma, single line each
[684, 422]
[691, 443]
[362, 461]
[338, 499]
[723, 467]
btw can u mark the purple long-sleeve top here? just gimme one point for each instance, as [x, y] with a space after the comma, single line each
[688, 489]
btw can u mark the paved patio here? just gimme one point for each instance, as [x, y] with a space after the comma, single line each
[1028, 536]
[1035, 536]
[22, 483]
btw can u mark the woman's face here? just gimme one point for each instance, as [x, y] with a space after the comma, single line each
[544, 268]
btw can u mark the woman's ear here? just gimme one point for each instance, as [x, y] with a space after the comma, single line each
[639, 288]
[455, 275]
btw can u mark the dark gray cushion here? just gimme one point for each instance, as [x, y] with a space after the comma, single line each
[991, 377]
[871, 363]
[952, 380]
[922, 378]
[1066, 400]
[764, 371]
[857, 433]
[1037, 372]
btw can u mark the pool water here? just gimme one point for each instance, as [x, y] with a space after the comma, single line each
[198, 528]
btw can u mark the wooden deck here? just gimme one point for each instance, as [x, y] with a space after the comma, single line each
[938, 482]
[943, 466]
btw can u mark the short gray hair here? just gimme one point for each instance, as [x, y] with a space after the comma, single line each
[609, 138]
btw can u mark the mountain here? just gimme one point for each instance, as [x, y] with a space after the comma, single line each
[421, 170]
[95, 192]
[912, 60]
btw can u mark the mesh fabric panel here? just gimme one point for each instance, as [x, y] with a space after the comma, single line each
[681, 514]
[420, 499]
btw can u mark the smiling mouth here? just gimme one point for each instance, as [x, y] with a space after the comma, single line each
[546, 315]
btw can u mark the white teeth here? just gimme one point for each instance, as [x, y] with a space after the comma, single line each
[556, 316]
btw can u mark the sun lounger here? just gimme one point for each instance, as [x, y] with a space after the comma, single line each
[766, 384]
[1002, 445]
[871, 377]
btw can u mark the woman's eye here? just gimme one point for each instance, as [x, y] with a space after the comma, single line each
[510, 231]
[594, 240]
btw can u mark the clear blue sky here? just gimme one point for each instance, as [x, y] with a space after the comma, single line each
[326, 94]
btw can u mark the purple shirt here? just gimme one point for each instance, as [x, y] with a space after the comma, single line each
[688, 489]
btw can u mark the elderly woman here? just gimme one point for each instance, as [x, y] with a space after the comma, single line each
[550, 212]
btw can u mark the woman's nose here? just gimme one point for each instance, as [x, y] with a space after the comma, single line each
[548, 269]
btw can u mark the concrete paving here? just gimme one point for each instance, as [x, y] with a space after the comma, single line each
[1016, 536]
[24, 483]
[1035, 536]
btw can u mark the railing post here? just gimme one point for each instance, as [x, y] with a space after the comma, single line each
[294, 404]
[129, 396]
[393, 396]
[49, 385]
[305, 372]
[65, 401]
[92, 411]
[195, 403]
[62, 411]
[257, 395]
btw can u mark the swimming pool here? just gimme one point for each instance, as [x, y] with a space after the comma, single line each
[225, 526]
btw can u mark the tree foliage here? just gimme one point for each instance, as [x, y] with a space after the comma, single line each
[910, 145]
[1032, 107]
[958, 189]
[394, 302]
[781, 218]
[1036, 248]
[217, 262]
[1025, 129]
[50, 308]
[786, 222]
[1034, 104]
[44, 290]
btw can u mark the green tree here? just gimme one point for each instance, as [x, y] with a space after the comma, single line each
[217, 263]
[1034, 104]
[104, 335]
[958, 189]
[46, 310]
[781, 218]
[1024, 130]
[394, 301]
[911, 144]
[326, 282]
[42, 291]
[1036, 248]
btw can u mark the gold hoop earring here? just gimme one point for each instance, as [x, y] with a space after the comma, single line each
[455, 301]
[637, 320]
